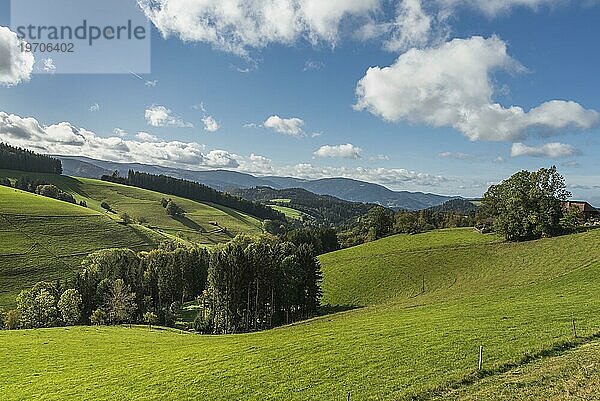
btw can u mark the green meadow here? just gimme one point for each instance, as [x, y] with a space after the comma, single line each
[46, 239]
[417, 308]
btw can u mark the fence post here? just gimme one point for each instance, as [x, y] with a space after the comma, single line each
[349, 393]
[574, 329]
[480, 365]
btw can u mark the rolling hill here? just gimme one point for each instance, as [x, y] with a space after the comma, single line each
[43, 238]
[425, 304]
[223, 180]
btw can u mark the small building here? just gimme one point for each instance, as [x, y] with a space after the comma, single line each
[589, 212]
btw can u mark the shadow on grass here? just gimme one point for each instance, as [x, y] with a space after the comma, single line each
[189, 223]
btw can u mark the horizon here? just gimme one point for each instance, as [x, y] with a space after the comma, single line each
[442, 97]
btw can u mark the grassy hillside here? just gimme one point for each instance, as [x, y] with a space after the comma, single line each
[45, 239]
[514, 299]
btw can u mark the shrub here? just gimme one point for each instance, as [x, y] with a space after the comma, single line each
[12, 320]
[150, 318]
[126, 218]
[66, 197]
[203, 325]
[51, 191]
[69, 305]
[98, 317]
[106, 206]
[83, 203]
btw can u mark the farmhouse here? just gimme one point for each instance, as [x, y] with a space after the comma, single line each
[589, 212]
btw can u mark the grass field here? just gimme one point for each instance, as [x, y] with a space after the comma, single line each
[514, 299]
[45, 239]
[289, 212]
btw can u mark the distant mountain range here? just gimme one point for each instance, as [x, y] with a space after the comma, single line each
[224, 180]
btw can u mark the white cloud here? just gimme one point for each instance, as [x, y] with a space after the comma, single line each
[499, 160]
[412, 28]
[346, 151]
[310, 65]
[236, 26]
[492, 8]
[94, 108]
[120, 132]
[287, 126]
[146, 137]
[220, 159]
[151, 83]
[66, 139]
[15, 66]
[160, 116]
[451, 85]
[455, 155]
[210, 124]
[379, 158]
[552, 150]
[48, 66]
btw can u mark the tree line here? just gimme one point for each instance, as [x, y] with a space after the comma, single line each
[380, 222]
[40, 187]
[14, 158]
[244, 285]
[193, 191]
[326, 210]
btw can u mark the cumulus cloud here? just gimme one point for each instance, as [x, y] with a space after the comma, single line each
[210, 124]
[220, 159]
[287, 126]
[236, 26]
[120, 132]
[146, 137]
[66, 139]
[15, 66]
[346, 151]
[451, 85]
[552, 150]
[160, 116]
[412, 27]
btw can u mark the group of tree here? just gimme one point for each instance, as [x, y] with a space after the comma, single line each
[247, 284]
[13, 158]
[528, 205]
[41, 187]
[324, 210]
[171, 208]
[381, 222]
[194, 191]
[45, 305]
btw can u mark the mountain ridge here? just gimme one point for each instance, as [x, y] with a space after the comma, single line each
[225, 180]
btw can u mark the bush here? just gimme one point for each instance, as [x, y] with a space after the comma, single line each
[174, 210]
[106, 206]
[51, 191]
[69, 305]
[126, 218]
[98, 317]
[150, 318]
[83, 203]
[202, 325]
[12, 320]
[66, 197]
[142, 220]
[5, 182]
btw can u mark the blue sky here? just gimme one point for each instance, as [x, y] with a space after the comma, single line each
[286, 103]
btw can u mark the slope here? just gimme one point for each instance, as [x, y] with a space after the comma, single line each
[515, 299]
[45, 239]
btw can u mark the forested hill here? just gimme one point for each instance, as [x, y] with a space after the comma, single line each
[194, 191]
[13, 158]
[324, 208]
